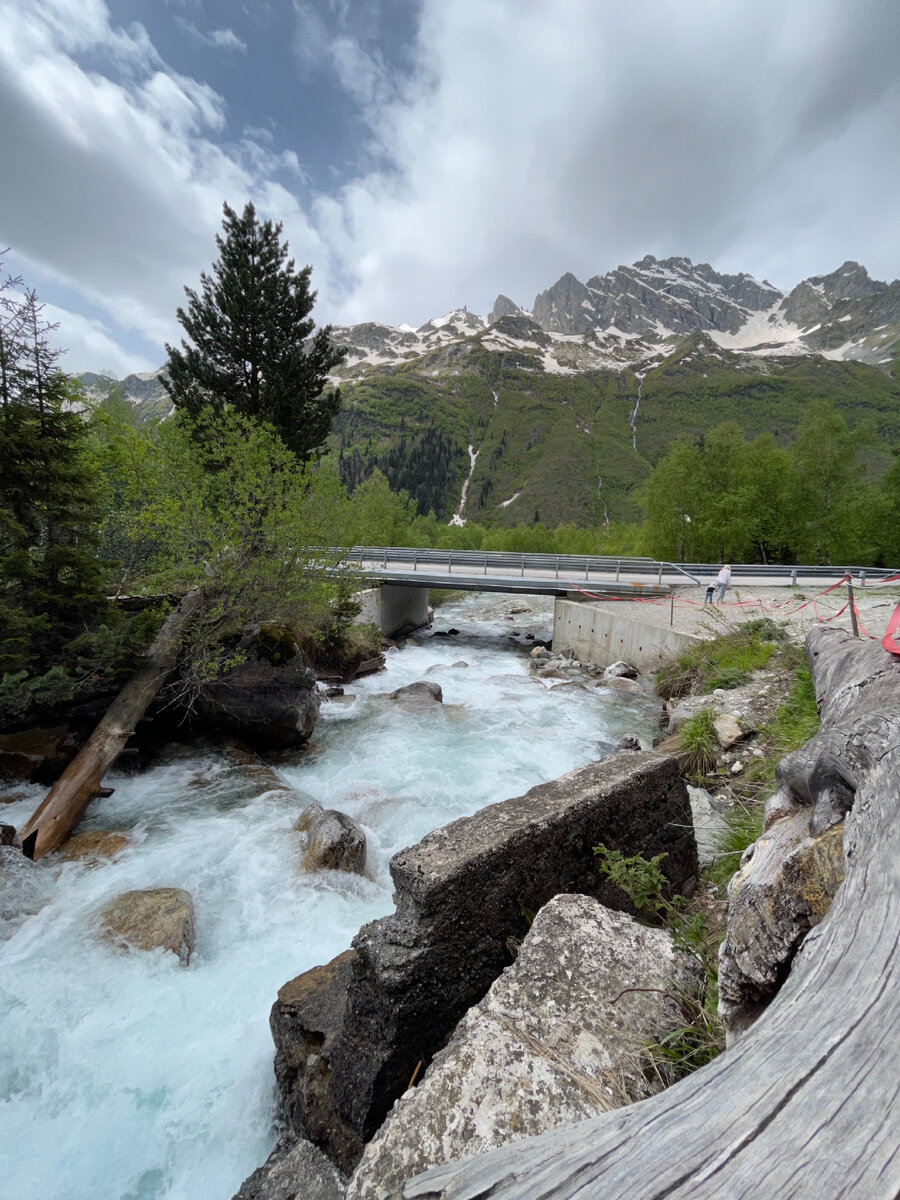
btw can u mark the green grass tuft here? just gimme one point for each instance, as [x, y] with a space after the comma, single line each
[725, 661]
[698, 746]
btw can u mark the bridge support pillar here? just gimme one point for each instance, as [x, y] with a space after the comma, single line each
[395, 608]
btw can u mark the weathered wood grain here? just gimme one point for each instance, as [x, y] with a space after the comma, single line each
[807, 1103]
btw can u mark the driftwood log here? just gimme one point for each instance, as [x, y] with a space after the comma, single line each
[807, 1102]
[60, 809]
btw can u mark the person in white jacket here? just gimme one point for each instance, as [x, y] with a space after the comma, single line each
[723, 579]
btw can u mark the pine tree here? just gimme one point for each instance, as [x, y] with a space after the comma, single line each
[51, 580]
[252, 346]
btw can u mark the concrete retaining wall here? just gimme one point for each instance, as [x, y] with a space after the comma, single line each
[597, 635]
[393, 607]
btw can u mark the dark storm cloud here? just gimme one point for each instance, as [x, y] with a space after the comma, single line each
[479, 147]
[601, 132]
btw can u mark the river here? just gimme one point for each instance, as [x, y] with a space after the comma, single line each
[129, 1077]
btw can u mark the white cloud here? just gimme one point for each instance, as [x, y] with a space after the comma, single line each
[92, 346]
[528, 139]
[541, 138]
[119, 182]
[217, 39]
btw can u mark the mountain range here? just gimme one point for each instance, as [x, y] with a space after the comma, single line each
[556, 412]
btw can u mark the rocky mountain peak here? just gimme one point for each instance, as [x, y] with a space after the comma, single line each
[812, 300]
[565, 308]
[651, 296]
[504, 307]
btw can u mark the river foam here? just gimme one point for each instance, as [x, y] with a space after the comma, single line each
[129, 1077]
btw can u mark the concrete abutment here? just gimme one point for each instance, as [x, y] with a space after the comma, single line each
[595, 634]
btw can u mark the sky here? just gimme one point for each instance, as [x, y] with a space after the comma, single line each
[425, 154]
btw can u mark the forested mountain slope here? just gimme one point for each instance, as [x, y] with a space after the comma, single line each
[556, 413]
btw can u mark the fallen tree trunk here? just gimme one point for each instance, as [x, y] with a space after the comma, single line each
[807, 1102]
[60, 809]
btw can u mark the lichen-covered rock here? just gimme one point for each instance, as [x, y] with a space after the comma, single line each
[295, 1170]
[151, 919]
[95, 844]
[558, 1038]
[334, 841]
[784, 887]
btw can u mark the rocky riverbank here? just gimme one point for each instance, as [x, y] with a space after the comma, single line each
[351, 1037]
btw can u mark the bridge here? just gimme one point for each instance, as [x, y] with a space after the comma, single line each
[559, 574]
[400, 578]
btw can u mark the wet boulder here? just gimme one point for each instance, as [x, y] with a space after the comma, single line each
[334, 841]
[423, 693]
[305, 1020]
[94, 845]
[295, 1170]
[620, 670]
[269, 701]
[151, 919]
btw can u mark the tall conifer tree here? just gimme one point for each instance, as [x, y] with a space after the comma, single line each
[252, 345]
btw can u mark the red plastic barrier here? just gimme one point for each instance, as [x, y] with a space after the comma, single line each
[889, 641]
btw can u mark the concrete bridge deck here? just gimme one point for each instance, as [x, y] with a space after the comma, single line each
[562, 574]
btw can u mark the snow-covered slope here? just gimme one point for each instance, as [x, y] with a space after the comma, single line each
[633, 315]
[630, 317]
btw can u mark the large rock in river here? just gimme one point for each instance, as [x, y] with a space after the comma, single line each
[335, 842]
[559, 1037]
[461, 896]
[306, 1019]
[270, 705]
[151, 919]
[423, 692]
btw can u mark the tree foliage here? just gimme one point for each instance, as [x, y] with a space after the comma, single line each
[725, 498]
[51, 578]
[248, 524]
[252, 344]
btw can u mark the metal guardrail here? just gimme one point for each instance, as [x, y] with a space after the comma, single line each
[582, 566]
[557, 564]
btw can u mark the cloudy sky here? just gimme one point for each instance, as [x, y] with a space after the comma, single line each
[424, 154]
